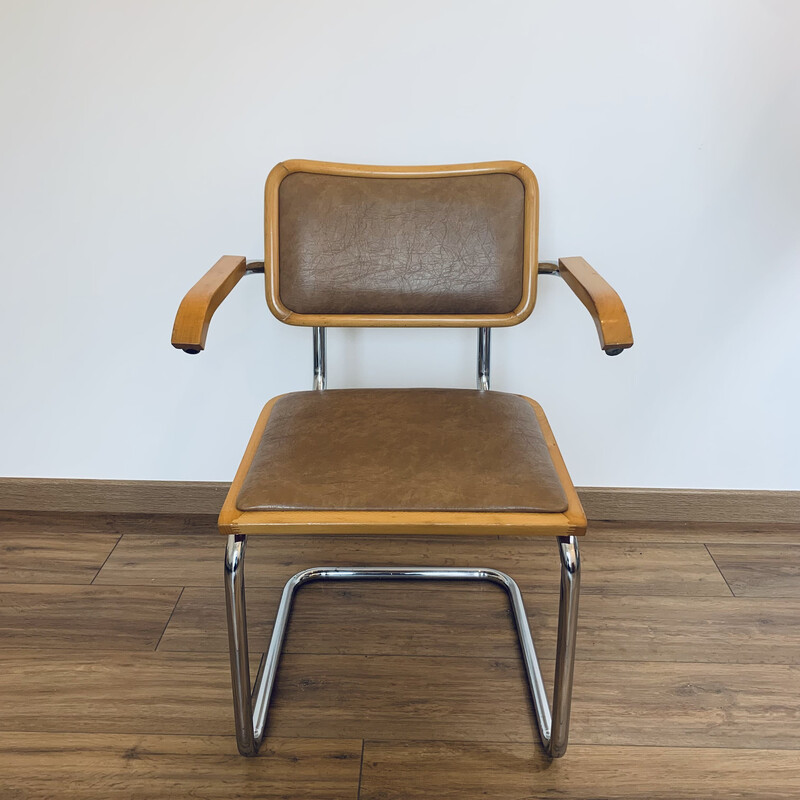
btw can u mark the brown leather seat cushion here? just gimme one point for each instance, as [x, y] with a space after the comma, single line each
[402, 450]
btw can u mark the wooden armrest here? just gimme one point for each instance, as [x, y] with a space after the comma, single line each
[202, 300]
[604, 304]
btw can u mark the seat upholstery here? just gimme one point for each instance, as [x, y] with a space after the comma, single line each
[402, 450]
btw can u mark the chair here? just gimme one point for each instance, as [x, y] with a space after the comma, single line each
[447, 246]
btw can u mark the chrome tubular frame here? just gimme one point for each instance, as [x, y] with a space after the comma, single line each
[250, 708]
[484, 352]
[321, 353]
[237, 643]
[320, 358]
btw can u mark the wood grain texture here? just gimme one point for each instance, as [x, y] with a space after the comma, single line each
[202, 300]
[608, 567]
[272, 244]
[103, 767]
[86, 617]
[678, 692]
[724, 630]
[602, 302]
[112, 497]
[617, 703]
[686, 705]
[445, 619]
[404, 698]
[74, 522]
[760, 572]
[739, 506]
[751, 534]
[778, 509]
[115, 692]
[52, 557]
[371, 618]
[469, 771]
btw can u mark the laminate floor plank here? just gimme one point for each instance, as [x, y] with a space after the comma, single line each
[170, 693]
[116, 692]
[726, 630]
[402, 698]
[367, 618]
[475, 771]
[608, 567]
[760, 571]
[687, 705]
[619, 703]
[84, 617]
[53, 557]
[443, 618]
[131, 767]
[681, 688]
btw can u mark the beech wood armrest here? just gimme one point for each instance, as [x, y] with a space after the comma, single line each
[604, 304]
[202, 300]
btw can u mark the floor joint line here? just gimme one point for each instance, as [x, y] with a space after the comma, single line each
[169, 619]
[722, 574]
[105, 560]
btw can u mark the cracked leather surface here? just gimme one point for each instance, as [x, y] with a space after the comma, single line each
[402, 450]
[352, 245]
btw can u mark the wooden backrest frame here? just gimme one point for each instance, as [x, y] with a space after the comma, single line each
[530, 245]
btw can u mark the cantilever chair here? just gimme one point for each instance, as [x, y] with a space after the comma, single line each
[448, 246]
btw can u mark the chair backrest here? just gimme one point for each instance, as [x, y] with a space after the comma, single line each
[350, 245]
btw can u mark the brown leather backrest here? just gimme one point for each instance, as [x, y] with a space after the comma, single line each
[352, 245]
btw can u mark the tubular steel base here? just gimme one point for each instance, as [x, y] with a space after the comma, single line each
[250, 709]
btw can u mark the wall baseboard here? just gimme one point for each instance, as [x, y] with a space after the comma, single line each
[112, 497]
[740, 506]
[206, 497]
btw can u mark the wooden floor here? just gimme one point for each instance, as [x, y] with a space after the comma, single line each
[114, 680]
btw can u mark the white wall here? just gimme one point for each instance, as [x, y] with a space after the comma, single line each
[136, 137]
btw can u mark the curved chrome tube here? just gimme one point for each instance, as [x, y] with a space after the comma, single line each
[553, 730]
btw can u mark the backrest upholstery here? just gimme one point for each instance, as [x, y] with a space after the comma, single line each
[383, 246]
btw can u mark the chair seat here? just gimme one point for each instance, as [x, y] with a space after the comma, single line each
[437, 450]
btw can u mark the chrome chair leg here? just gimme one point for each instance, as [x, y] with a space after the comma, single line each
[565, 647]
[237, 644]
[250, 710]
